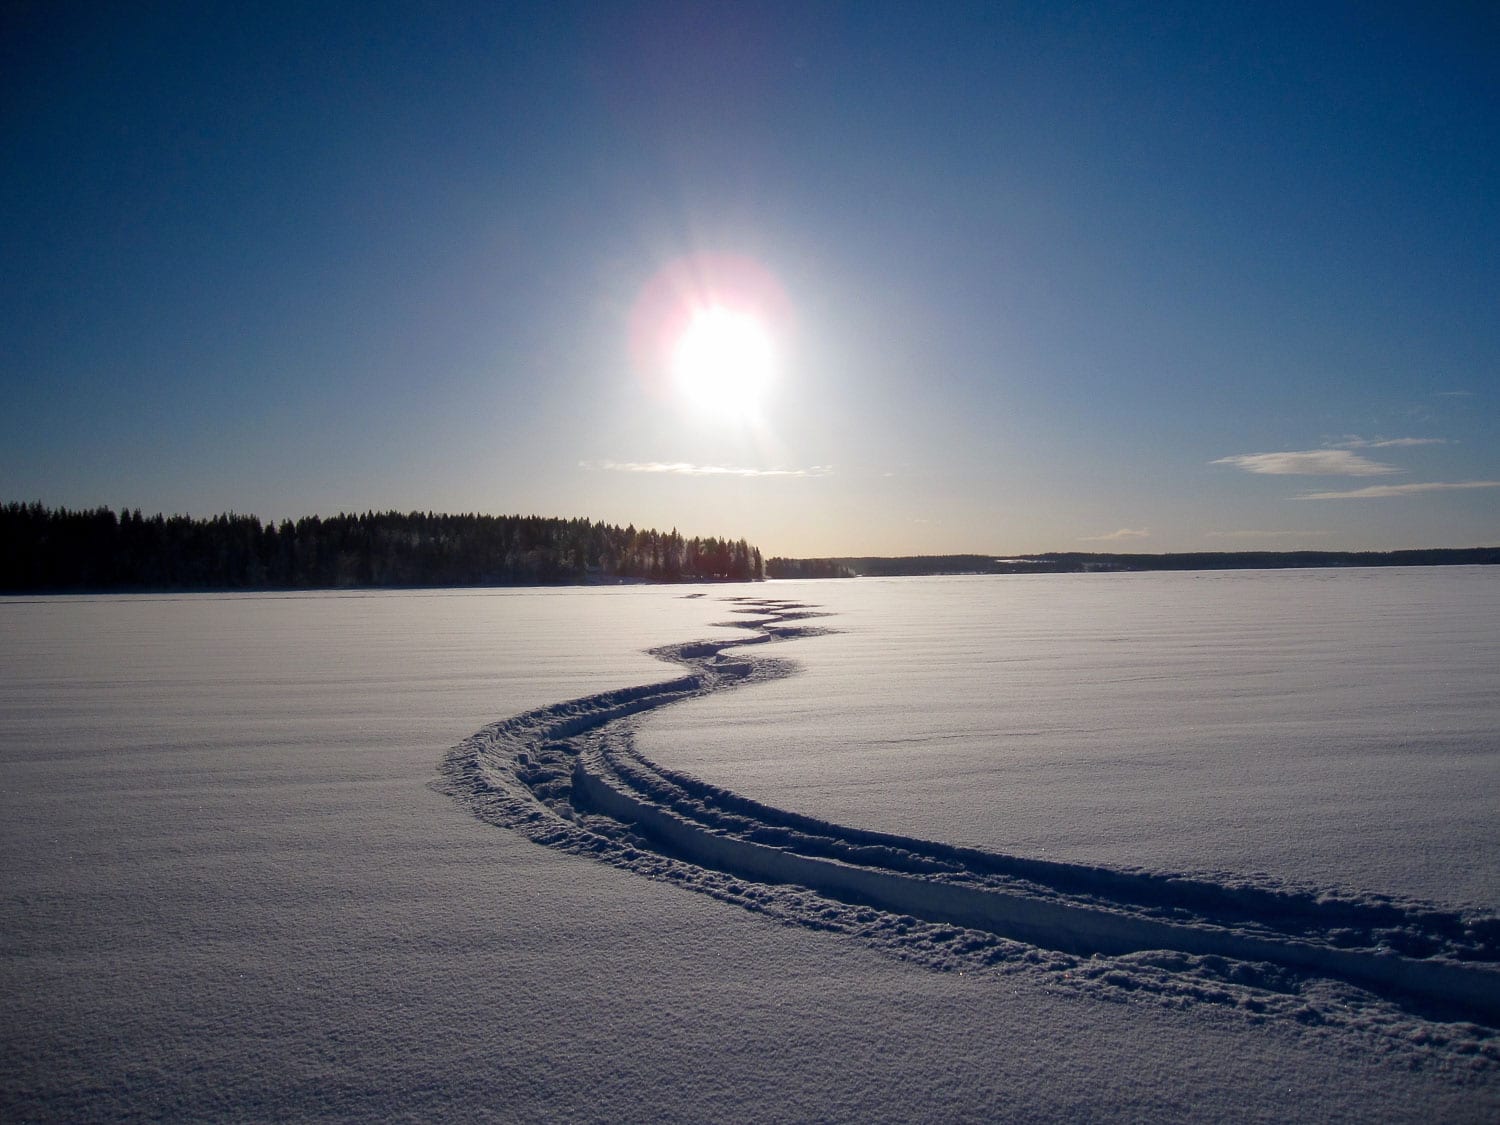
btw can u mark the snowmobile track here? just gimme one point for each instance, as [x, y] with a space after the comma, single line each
[569, 776]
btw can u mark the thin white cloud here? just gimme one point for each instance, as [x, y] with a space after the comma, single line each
[686, 469]
[1308, 462]
[1378, 491]
[1454, 394]
[1388, 443]
[1123, 533]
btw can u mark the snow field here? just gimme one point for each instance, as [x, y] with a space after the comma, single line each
[1329, 728]
[229, 893]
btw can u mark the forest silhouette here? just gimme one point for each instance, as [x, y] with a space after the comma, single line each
[57, 549]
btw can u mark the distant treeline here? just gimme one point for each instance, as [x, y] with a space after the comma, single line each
[1075, 562]
[57, 549]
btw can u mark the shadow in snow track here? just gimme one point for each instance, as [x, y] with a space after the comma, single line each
[569, 776]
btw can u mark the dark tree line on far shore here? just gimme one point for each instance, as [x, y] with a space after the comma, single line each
[1081, 562]
[58, 549]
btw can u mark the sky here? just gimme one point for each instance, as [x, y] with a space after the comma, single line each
[1019, 277]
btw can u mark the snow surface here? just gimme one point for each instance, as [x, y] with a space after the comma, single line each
[238, 885]
[1338, 727]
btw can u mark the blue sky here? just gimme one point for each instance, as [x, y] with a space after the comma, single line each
[1146, 277]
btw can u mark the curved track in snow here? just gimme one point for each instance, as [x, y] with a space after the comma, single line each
[569, 776]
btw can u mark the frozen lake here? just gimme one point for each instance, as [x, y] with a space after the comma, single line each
[1332, 726]
[231, 888]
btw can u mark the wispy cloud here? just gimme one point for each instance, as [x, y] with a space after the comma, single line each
[1387, 443]
[1453, 394]
[1309, 463]
[686, 469]
[1379, 491]
[1123, 533]
[1249, 534]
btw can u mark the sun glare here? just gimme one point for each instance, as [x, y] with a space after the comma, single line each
[723, 362]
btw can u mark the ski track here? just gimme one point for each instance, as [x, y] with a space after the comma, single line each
[569, 776]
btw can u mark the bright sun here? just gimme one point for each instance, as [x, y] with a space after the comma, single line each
[723, 363]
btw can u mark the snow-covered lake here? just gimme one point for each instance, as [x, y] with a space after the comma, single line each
[233, 888]
[1332, 726]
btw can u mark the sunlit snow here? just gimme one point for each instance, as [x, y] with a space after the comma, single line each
[245, 878]
[1333, 726]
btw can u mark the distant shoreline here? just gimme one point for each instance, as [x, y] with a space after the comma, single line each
[875, 566]
[1077, 562]
[589, 583]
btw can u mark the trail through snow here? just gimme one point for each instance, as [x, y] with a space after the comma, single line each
[569, 776]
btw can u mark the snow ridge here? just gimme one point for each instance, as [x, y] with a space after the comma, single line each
[569, 776]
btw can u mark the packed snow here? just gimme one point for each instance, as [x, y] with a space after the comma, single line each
[482, 855]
